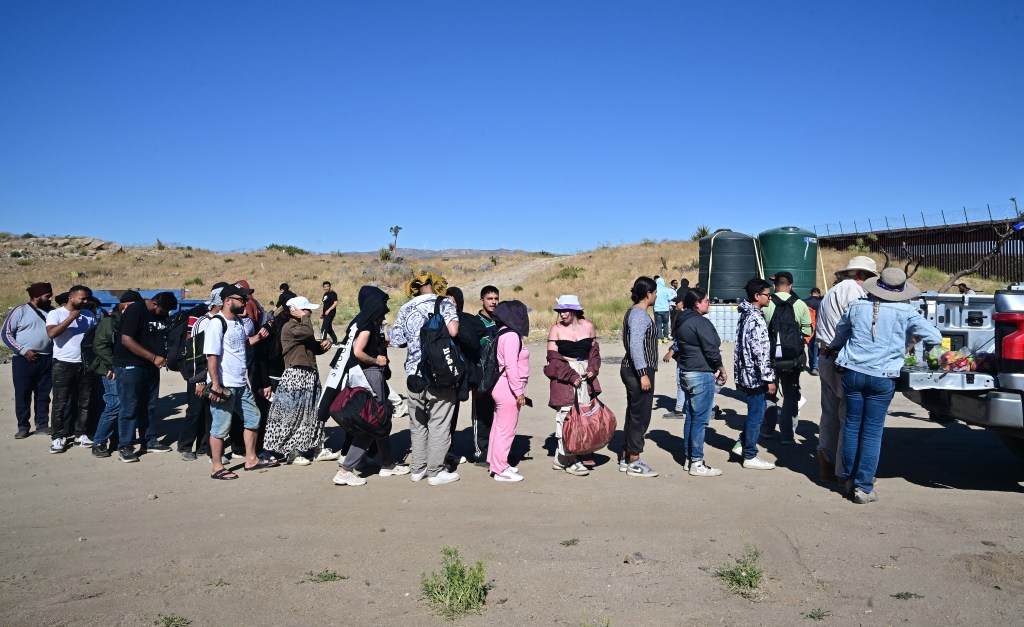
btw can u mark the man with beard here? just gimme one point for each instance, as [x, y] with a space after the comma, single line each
[24, 332]
[139, 354]
[67, 326]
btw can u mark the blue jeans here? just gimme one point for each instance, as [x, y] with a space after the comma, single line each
[755, 416]
[680, 390]
[700, 396]
[812, 352]
[661, 319]
[867, 402]
[138, 389]
[111, 411]
[33, 381]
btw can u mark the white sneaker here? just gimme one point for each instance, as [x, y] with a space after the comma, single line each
[514, 469]
[737, 449]
[58, 445]
[443, 477]
[416, 476]
[347, 477]
[301, 461]
[508, 475]
[84, 440]
[395, 470]
[577, 469]
[757, 464]
[623, 465]
[700, 469]
[327, 455]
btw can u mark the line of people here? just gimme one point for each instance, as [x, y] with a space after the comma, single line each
[252, 376]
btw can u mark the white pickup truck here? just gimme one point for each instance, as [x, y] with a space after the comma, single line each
[976, 323]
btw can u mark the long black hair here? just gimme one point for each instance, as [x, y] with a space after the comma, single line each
[641, 288]
[694, 296]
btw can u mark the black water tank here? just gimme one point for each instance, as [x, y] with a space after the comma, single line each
[727, 261]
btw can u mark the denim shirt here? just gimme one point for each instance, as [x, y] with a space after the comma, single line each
[881, 356]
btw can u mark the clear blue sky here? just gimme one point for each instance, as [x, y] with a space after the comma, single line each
[536, 125]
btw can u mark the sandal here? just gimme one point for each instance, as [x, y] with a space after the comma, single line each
[224, 475]
[263, 464]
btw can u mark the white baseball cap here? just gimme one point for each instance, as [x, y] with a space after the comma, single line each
[301, 302]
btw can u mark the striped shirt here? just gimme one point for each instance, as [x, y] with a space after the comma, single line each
[640, 340]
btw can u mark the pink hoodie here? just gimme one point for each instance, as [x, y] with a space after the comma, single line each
[515, 369]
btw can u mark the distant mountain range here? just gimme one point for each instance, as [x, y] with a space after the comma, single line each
[450, 253]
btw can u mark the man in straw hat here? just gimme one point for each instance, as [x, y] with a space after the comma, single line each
[24, 332]
[871, 340]
[833, 407]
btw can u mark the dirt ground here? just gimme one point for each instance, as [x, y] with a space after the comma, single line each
[84, 541]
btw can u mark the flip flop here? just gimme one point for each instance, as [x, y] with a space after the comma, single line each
[224, 475]
[261, 465]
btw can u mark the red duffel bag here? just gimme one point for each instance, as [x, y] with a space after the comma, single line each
[588, 428]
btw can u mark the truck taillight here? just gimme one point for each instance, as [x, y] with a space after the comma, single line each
[1010, 341]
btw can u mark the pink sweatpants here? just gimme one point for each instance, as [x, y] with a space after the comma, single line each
[503, 431]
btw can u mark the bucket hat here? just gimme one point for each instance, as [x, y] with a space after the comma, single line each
[568, 302]
[892, 285]
[859, 263]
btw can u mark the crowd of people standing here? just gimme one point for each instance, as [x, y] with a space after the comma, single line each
[254, 389]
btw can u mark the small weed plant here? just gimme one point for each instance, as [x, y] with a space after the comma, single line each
[817, 614]
[325, 576]
[457, 589]
[172, 620]
[570, 542]
[219, 582]
[906, 596]
[744, 577]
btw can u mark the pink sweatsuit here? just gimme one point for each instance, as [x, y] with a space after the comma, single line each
[515, 372]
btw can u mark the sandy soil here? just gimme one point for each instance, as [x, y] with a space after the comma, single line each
[83, 542]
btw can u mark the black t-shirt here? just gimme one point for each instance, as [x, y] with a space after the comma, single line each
[138, 323]
[286, 296]
[329, 299]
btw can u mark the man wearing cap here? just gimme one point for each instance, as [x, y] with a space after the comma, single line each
[833, 403]
[103, 366]
[225, 349]
[140, 351]
[789, 378]
[24, 332]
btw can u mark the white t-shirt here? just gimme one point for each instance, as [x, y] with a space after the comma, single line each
[67, 346]
[230, 346]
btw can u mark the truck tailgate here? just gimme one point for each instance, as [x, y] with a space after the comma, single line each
[924, 379]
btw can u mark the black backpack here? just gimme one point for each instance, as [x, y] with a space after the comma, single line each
[88, 350]
[192, 362]
[176, 331]
[786, 336]
[489, 371]
[441, 362]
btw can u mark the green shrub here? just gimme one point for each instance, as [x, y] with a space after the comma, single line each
[701, 231]
[27, 236]
[457, 589]
[568, 273]
[325, 576]
[291, 251]
[24, 262]
[517, 288]
[172, 620]
[743, 578]
[17, 254]
[160, 245]
[195, 281]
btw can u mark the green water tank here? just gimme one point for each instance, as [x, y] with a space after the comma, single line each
[792, 249]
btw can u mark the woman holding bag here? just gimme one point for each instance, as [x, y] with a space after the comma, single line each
[369, 358]
[573, 363]
[509, 392]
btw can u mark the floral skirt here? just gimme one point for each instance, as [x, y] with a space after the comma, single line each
[292, 424]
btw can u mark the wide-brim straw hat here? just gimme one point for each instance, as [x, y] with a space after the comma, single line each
[859, 263]
[892, 286]
[568, 302]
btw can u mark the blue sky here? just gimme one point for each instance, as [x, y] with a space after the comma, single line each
[536, 125]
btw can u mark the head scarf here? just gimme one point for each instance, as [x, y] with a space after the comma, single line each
[460, 300]
[514, 315]
[373, 306]
[412, 290]
[39, 289]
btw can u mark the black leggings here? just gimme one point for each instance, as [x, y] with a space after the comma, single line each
[638, 412]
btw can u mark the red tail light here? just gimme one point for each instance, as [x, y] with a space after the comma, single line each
[1010, 341]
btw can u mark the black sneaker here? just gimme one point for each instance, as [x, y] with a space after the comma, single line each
[44, 430]
[156, 447]
[21, 434]
[100, 450]
[188, 456]
[127, 455]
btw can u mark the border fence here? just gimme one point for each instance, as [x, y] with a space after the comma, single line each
[950, 241]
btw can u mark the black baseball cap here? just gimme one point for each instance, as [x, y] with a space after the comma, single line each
[782, 275]
[234, 290]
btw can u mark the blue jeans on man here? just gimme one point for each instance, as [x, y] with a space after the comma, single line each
[700, 397]
[756, 404]
[107, 425]
[661, 321]
[138, 391]
[867, 402]
[32, 379]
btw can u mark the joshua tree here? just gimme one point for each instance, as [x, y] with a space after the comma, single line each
[394, 231]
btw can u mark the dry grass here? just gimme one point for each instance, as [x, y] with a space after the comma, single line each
[600, 277]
